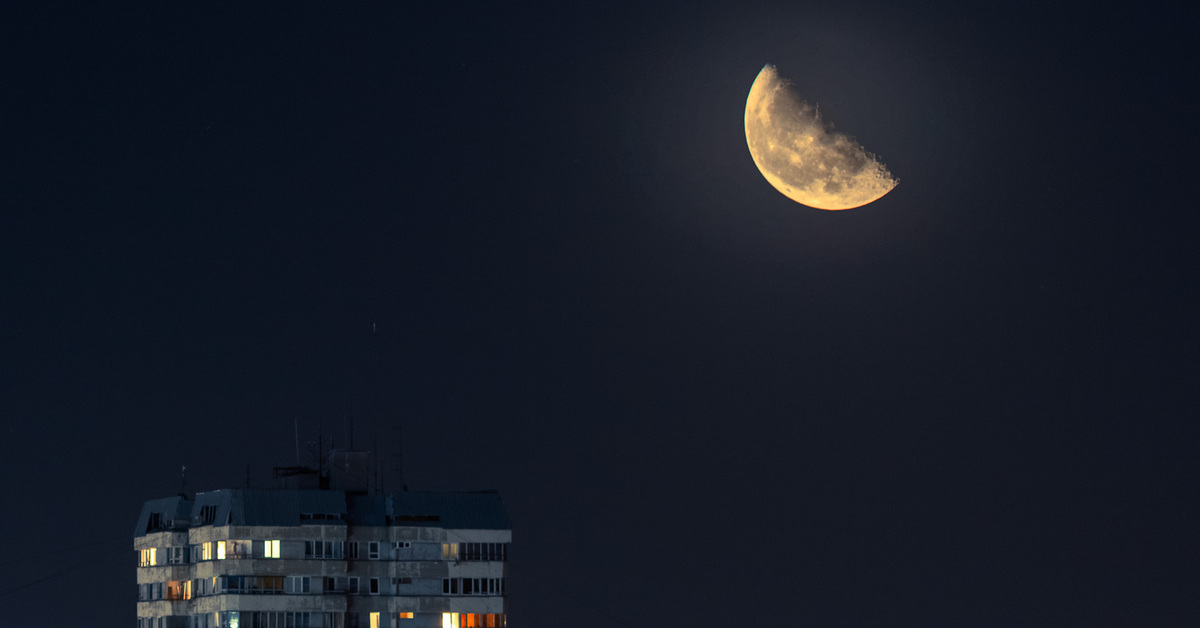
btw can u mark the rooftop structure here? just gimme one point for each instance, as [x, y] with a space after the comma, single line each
[296, 558]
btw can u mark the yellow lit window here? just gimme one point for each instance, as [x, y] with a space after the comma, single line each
[187, 589]
[271, 549]
[220, 550]
[449, 551]
[206, 551]
[374, 620]
[450, 620]
[146, 557]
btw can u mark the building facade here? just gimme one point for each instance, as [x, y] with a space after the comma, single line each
[259, 558]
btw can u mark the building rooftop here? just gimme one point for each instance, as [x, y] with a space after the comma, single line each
[480, 510]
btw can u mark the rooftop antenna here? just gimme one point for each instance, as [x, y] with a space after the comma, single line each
[395, 458]
[296, 424]
[400, 456]
[183, 481]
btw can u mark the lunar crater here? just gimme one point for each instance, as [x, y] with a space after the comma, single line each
[802, 156]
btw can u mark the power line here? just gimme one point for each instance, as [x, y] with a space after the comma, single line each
[544, 582]
[58, 552]
[59, 573]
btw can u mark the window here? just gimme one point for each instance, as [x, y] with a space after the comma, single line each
[233, 549]
[352, 587]
[352, 550]
[407, 615]
[373, 550]
[146, 557]
[208, 514]
[155, 522]
[450, 620]
[271, 549]
[374, 586]
[298, 584]
[449, 551]
[324, 549]
[482, 620]
[374, 619]
[206, 551]
[473, 586]
[176, 555]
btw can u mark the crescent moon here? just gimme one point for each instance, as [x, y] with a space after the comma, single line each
[802, 156]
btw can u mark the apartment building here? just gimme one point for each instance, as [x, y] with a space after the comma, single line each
[310, 558]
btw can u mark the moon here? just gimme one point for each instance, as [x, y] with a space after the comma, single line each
[802, 156]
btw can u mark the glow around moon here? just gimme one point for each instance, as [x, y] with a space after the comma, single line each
[802, 156]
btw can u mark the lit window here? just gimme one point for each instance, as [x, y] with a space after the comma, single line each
[449, 551]
[271, 549]
[146, 557]
[374, 620]
[220, 550]
[450, 620]
[407, 615]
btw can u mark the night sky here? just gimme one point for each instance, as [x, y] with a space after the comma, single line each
[970, 403]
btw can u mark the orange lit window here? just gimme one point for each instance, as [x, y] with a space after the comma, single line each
[406, 615]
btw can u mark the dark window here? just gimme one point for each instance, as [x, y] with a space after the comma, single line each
[466, 586]
[416, 518]
[374, 586]
[155, 521]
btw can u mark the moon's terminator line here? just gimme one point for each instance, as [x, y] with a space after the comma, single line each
[802, 156]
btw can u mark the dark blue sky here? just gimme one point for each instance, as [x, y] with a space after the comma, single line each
[967, 404]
